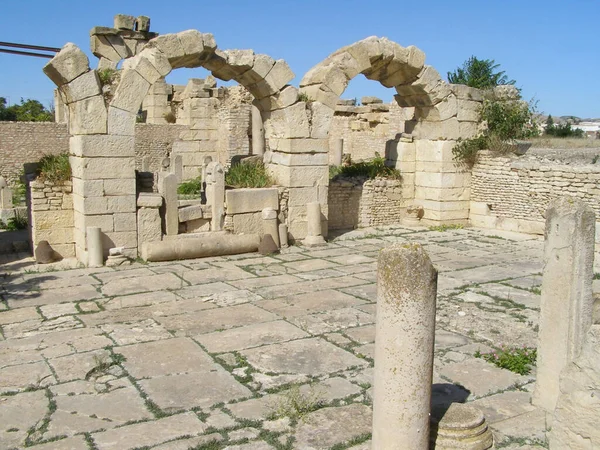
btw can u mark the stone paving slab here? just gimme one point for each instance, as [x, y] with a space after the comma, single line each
[177, 354]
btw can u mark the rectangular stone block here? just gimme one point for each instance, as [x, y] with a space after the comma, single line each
[190, 213]
[131, 89]
[47, 220]
[477, 220]
[240, 201]
[443, 194]
[123, 186]
[297, 159]
[88, 188]
[446, 206]
[149, 225]
[87, 168]
[127, 239]
[102, 145]
[479, 208]
[67, 65]
[148, 200]
[122, 204]
[248, 223]
[82, 87]
[434, 151]
[54, 236]
[88, 116]
[104, 221]
[90, 205]
[300, 145]
[121, 122]
[291, 122]
[440, 180]
[300, 176]
[302, 196]
[439, 167]
[125, 221]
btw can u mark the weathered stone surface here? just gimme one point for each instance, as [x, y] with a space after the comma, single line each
[190, 213]
[67, 65]
[267, 245]
[84, 86]
[88, 116]
[130, 91]
[45, 254]
[102, 145]
[241, 201]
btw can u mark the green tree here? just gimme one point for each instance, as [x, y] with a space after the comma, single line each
[27, 111]
[479, 73]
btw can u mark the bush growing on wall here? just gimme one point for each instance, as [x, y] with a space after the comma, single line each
[55, 168]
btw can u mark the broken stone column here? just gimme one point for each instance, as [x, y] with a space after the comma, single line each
[338, 152]
[258, 132]
[167, 187]
[215, 194]
[148, 218]
[94, 247]
[283, 235]
[461, 427]
[404, 339]
[269, 217]
[314, 233]
[567, 301]
[5, 195]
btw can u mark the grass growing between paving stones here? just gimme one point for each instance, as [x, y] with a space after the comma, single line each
[352, 442]
[296, 404]
[516, 359]
[442, 228]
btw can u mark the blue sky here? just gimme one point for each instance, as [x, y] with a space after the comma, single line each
[550, 47]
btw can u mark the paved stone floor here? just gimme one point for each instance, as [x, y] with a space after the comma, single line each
[248, 352]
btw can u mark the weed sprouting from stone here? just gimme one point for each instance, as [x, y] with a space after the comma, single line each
[296, 404]
[516, 359]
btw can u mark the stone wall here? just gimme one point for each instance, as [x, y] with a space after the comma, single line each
[512, 192]
[27, 142]
[52, 215]
[153, 143]
[360, 203]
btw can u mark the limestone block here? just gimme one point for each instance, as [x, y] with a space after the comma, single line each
[479, 208]
[321, 120]
[125, 221]
[468, 114]
[241, 201]
[468, 130]
[86, 168]
[261, 68]
[190, 213]
[171, 46]
[122, 186]
[104, 63]
[102, 48]
[197, 225]
[124, 22]
[290, 122]
[455, 216]
[240, 61]
[142, 23]
[127, 239]
[88, 188]
[47, 220]
[297, 159]
[148, 225]
[84, 86]
[90, 205]
[477, 220]
[442, 111]
[446, 206]
[329, 75]
[192, 42]
[168, 189]
[304, 195]
[447, 194]
[434, 151]
[321, 93]
[130, 92]
[102, 145]
[67, 65]
[300, 145]
[121, 122]
[288, 96]
[443, 130]
[144, 67]
[440, 180]
[118, 44]
[88, 116]
[276, 79]
[121, 203]
[300, 176]
[148, 200]
[464, 92]
[216, 61]
[103, 221]
[439, 167]
[248, 223]
[158, 59]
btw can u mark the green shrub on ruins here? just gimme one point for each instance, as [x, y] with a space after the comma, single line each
[369, 169]
[18, 222]
[55, 168]
[191, 187]
[516, 359]
[249, 175]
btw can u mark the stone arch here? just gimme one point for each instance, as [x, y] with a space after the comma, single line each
[102, 127]
[431, 117]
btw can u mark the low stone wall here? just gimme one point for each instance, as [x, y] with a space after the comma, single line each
[52, 215]
[513, 192]
[244, 209]
[360, 203]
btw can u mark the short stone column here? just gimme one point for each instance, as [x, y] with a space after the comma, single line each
[283, 235]
[215, 194]
[148, 218]
[269, 218]
[338, 152]
[94, 246]
[566, 307]
[258, 132]
[5, 195]
[404, 339]
[167, 187]
[314, 233]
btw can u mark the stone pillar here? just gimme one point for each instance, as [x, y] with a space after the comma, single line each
[215, 194]
[269, 217]
[258, 132]
[567, 301]
[404, 339]
[167, 187]
[314, 234]
[94, 246]
[5, 195]
[283, 235]
[148, 218]
[338, 152]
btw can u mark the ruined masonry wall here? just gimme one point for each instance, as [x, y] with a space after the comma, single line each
[153, 143]
[512, 193]
[23, 142]
[52, 215]
[357, 204]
